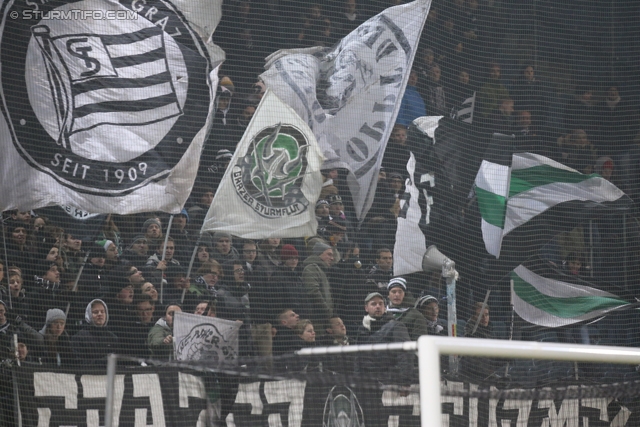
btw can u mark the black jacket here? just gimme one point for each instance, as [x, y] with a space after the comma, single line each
[386, 367]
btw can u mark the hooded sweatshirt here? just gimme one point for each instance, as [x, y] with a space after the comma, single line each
[94, 343]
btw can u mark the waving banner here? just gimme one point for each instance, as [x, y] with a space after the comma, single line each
[350, 94]
[110, 118]
[273, 180]
[202, 338]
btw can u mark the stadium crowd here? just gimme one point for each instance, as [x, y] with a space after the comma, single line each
[71, 302]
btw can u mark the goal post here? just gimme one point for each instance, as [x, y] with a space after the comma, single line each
[430, 348]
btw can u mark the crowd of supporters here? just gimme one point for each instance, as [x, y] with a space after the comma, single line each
[70, 302]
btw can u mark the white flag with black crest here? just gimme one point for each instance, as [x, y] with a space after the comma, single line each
[273, 180]
[105, 105]
[350, 94]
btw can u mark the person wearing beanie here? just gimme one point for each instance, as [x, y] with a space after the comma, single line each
[315, 285]
[289, 253]
[152, 230]
[428, 306]
[56, 348]
[332, 234]
[322, 215]
[110, 250]
[223, 250]
[401, 307]
[137, 253]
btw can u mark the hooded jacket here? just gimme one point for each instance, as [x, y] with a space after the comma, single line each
[94, 343]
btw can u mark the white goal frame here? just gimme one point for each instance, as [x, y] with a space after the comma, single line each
[430, 348]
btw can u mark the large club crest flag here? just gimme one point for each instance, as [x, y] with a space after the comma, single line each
[205, 339]
[105, 105]
[273, 180]
[350, 94]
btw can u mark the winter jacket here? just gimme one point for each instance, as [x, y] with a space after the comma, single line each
[317, 291]
[386, 367]
[414, 320]
[159, 349]
[94, 343]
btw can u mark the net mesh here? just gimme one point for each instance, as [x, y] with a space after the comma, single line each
[101, 103]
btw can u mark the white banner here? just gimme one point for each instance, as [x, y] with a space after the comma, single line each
[349, 95]
[203, 338]
[105, 117]
[410, 241]
[273, 181]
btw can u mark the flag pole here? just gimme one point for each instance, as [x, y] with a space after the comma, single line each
[484, 305]
[164, 253]
[75, 283]
[193, 257]
[511, 328]
[6, 264]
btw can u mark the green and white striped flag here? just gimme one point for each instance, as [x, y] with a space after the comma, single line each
[553, 303]
[511, 195]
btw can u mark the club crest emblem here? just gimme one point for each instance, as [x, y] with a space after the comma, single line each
[269, 177]
[105, 106]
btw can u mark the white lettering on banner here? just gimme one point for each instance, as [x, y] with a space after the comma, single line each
[191, 386]
[621, 418]
[148, 385]
[288, 391]
[599, 403]
[56, 385]
[250, 393]
[493, 404]
[458, 401]
[473, 407]
[567, 415]
[524, 409]
[95, 386]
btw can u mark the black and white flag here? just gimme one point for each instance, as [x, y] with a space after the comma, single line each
[464, 112]
[205, 339]
[105, 105]
[350, 94]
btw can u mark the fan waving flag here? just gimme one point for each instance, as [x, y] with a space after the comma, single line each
[553, 303]
[510, 195]
[109, 118]
[273, 180]
[350, 94]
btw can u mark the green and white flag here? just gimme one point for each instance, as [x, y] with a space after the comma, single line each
[553, 303]
[273, 180]
[532, 185]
